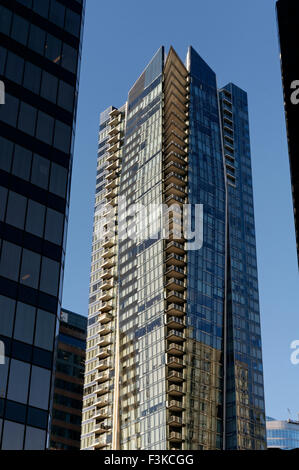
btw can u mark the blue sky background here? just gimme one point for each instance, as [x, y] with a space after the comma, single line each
[239, 41]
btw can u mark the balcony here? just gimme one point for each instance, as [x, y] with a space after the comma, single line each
[104, 352]
[103, 377]
[175, 297]
[175, 260]
[100, 404]
[173, 156]
[105, 318]
[176, 190]
[175, 376]
[108, 263]
[111, 194]
[101, 442]
[111, 184]
[104, 364]
[175, 363]
[114, 147]
[102, 389]
[106, 307]
[176, 390]
[175, 437]
[114, 138]
[175, 405]
[103, 427]
[104, 413]
[174, 335]
[175, 421]
[174, 200]
[175, 167]
[175, 349]
[108, 274]
[107, 285]
[107, 295]
[105, 341]
[176, 284]
[175, 272]
[176, 310]
[108, 242]
[105, 329]
[175, 178]
[176, 248]
[112, 157]
[109, 253]
[175, 322]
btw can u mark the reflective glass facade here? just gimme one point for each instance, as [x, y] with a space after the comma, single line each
[174, 350]
[40, 57]
[282, 434]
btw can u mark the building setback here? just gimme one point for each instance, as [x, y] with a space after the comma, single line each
[40, 57]
[68, 386]
[288, 24]
[174, 346]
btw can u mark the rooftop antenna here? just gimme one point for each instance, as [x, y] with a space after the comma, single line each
[289, 413]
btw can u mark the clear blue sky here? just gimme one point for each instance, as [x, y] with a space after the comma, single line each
[239, 41]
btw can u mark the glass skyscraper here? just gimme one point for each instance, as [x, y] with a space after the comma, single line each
[40, 57]
[174, 345]
[282, 434]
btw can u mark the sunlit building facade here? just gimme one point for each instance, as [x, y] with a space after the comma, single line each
[174, 349]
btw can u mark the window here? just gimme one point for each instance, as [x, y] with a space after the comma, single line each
[37, 39]
[22, 163]
[18, 381]
[35, 218]
[7, 309]
[58, 180]
[30, 269]
[35, 438]
[5, 154]
[66, 96]
[49, 276]
[45, 125]
[20, 29]
[3, 198]
[72, 22]
[5, 20]
[39, 388]
[45, 330]
[54, 226]
[57, 13]
[9, 112]
[42, 8]
[53, 49]
[14, 68]
[24, 324]
[13, 435]
[69, 58]
[49, 87]
[27, 118]
[32, 77]
[40, 172]
[16, 209]
[62, 137]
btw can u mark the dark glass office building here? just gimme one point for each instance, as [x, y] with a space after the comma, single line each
[174, 356]
[68, 386]
[40, 53]
[288, 24]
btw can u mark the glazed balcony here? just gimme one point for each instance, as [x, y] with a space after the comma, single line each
[111, 184]
[106, 285]
[175, 297]
[176, 178]
[105, 341]
[101, 443]
[176, 272]
[176, 390]
[175, 247]
[176, 336]
[176, 310]
[175, 322]
[108, 263]
[109, 242]
[106, 295]
[104, 400]
[105, 318]
[112, 166]
[109, 253]
[102, 389]
[108, 274]
[104, 364]
[111, 194]
[175, 437]
[104, 352]
[103, 427]
[175, 190]
[175, 421]
[175, 260]
[114, 139]
[113, 130]
[112, 157]
[176, 168]
[105, 329]
[175, 405]
[103, 377]
[176, 349]
[175, 376]
[104, 413]
[106, 307]
[175, 284]
[114, 148]
[175, 363]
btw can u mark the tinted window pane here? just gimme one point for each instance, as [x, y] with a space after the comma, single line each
[13, 435]
[42, 8]
[53, 49]
[16, 209]
[54, 226]
[3, 377]
[27, 118]
[49, 87]
[72, 22]
[57, 13]
[45, 329]
[35, 439]
[62, 137]
[6, 149]
[24, 325]
[5, 20]
[69, 58]
[10, 261]
[3, 199]
[66, 96]
[39, 388]
[9, 112]
[18, 381]
[14, 68]
[32, 77]
[20, 29]
[49, 276]
[37, 39]
[40, 171]
[7, 311]
[58, 180]
[45, 125]
[30, 269]
[35, 218]
[22, 163]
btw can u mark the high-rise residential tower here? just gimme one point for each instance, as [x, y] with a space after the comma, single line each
[288, 25]
[174, 346]
[40, 56]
